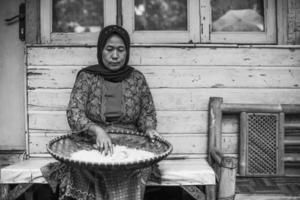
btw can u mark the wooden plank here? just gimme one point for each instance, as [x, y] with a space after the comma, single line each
[280, 143]
[175, 99]
[45, 21]
[215, 124]
[291, 157]
[10, 157]
[282, 22]
[265, 197]
[32, 21]
[180, 76]
[174, 172]
[182, 143]
[168, 121]
[170, 56]
[243, 144]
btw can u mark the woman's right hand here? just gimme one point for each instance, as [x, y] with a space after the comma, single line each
[103, 141]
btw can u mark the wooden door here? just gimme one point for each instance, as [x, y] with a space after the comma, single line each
[12, 68]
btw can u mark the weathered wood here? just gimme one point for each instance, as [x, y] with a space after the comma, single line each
[210, 191]
[282, 22]
[290, 157]
[264, 197]
[290, 108]
[168, 121]
[10, 156]
[177, 98]
[173, 172]
[182, 143]
[32, 21]
[260, 108]
[280, 143]
[292, 126]
[179, 76]
[170, 56]
[243, 143]
[215, 122]
[4, 190]
[217, 155]
[228, 178]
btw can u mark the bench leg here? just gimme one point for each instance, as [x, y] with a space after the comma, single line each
[4, 188]
[210, 191]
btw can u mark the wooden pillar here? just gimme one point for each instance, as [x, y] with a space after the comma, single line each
[210, 191]
[243, 143]
[280, 143]
[215, 125]
[227, 178]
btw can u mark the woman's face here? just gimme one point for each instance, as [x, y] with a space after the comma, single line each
[114, 53]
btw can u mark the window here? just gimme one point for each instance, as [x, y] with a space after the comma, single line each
[238, 21]
[161, 21]
[76, 22]
[200, 21]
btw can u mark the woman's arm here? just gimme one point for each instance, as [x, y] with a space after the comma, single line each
[76, 116]
[147, 118]
[76, 113]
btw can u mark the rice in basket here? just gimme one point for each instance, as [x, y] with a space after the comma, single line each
[120, 154]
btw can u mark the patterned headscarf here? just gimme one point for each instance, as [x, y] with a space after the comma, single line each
[110, 75]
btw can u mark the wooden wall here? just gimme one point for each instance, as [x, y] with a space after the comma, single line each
[293, 19]
[181, 79]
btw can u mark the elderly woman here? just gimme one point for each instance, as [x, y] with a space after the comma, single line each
[109, 94]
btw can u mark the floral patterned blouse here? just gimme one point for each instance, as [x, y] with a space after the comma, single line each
[87, 103]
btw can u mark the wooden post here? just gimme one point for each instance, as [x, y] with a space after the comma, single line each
[210, 191]
[227, 179]
[215, 125]
[243, 143]
[4, 190]
[280, 143]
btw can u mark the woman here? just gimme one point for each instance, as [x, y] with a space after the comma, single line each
[110, 94]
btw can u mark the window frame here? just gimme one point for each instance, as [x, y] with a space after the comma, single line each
[49, 37]
[266, 37]
[199, 26]
[191, 35]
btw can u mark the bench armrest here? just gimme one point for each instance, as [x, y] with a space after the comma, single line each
[225, 168]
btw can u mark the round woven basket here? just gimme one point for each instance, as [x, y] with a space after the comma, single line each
[62, 147]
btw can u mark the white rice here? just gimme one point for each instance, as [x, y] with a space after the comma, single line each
[120, 154]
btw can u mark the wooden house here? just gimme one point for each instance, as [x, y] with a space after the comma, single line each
[185, 64]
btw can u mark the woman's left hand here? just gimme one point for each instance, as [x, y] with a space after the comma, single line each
[152, 134]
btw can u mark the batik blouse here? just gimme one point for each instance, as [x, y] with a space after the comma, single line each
[87, 103]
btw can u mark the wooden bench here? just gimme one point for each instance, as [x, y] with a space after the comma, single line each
[177, 172]
[264, 137]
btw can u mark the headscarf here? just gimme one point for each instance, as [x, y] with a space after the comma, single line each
[110, 75]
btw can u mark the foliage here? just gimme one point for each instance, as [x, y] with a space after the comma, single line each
[160, 14]
[77, 15]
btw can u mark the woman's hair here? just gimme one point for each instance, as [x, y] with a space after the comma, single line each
[106, 33]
